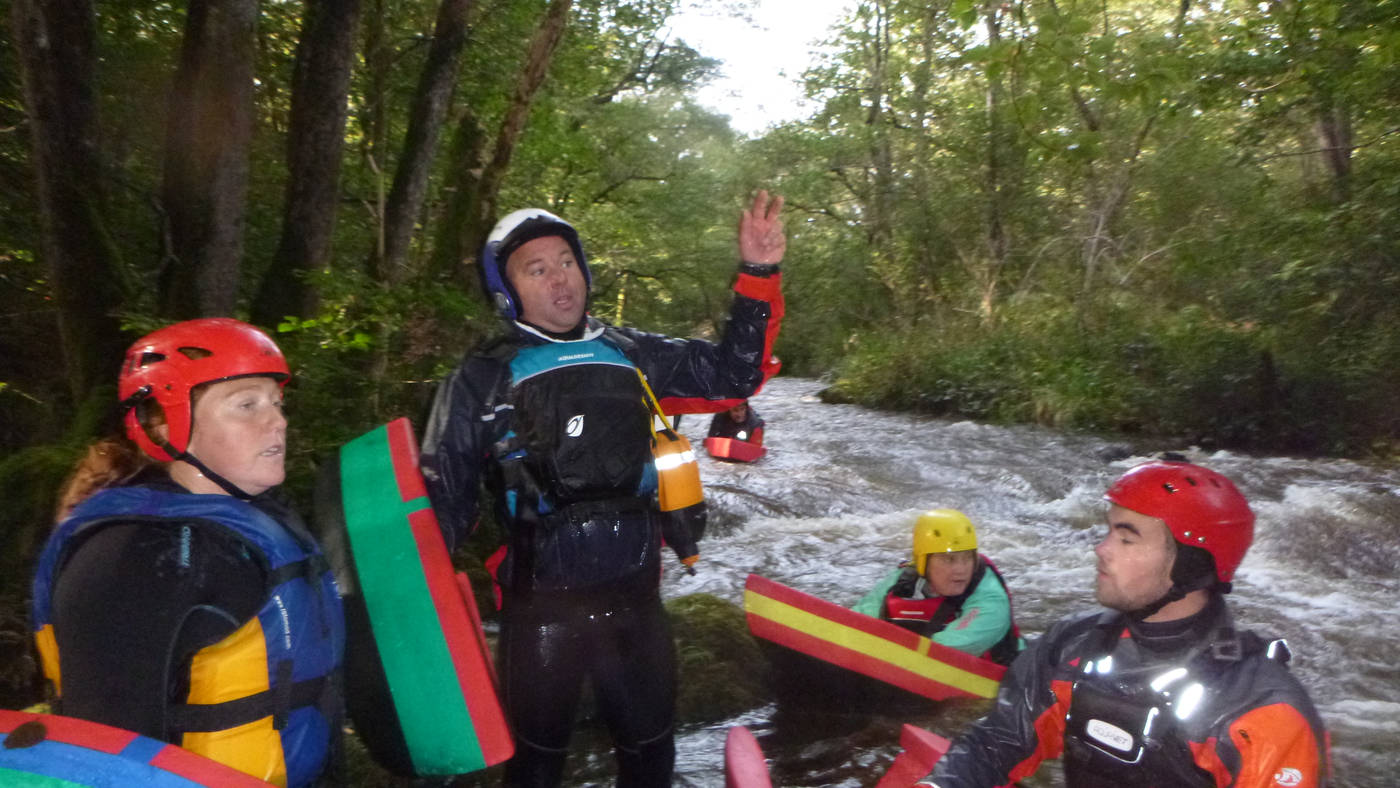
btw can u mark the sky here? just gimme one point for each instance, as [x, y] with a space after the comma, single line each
[762, 60]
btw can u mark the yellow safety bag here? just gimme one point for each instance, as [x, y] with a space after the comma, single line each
[677, 472]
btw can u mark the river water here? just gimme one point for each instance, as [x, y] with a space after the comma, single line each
[829, 510]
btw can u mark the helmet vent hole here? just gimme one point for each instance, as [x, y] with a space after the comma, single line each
[1191, 481]
[195, 353]
[150, 358]
[1168, 487]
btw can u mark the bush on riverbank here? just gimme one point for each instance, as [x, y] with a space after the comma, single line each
[1182, 375]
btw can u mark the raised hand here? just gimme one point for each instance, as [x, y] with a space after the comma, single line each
[761, 238]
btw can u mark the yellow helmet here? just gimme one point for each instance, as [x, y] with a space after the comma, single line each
[942, 531]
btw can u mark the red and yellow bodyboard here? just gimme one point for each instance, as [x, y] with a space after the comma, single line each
[865, 645]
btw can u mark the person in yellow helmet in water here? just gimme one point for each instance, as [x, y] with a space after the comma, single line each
[949, 592]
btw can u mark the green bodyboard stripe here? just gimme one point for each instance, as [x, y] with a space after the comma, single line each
[14, 779]
[417, 664]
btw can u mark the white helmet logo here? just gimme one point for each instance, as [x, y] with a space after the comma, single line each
[575, 426]
[1288, 777]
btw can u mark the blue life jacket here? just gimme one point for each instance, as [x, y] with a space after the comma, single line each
[264, 699]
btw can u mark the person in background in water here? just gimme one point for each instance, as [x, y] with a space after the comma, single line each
[740, 422]
[1160, 689]
[949, 593]
[178, 596]
[553, 418]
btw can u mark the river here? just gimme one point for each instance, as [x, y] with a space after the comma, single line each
[829, 510]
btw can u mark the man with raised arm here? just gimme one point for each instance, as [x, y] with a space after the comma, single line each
[553, 418]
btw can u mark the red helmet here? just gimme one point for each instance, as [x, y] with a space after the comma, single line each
[167, 363]
[1202, 508]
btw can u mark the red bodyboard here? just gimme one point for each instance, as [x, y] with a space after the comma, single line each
[922, 749]
[744, 766]
[733, 449]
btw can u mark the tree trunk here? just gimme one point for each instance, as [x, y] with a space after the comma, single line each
[1335, 141]
[55, 41]
[453, 246]
[435, 87]
[315, 139]
[476, 186]
[996, 187]
[206, 159]
[537, 60]
[881, 202]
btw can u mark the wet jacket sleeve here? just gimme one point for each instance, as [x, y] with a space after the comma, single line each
[697, 376]
[985, 617]
[1024, 727]
[457, 445]
[873, 603]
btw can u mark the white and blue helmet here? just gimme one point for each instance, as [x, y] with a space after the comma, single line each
[510, 233]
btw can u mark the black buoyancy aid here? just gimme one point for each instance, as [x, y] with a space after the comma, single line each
[928, 615]
[263, 700]
[576, 464]
[580, 423]
[1125, 725]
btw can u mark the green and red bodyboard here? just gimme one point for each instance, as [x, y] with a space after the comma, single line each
[49, 751]
[864, 644]
[421, 690]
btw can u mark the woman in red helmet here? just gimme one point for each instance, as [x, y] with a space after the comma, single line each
[1161, 690]
[177, 597]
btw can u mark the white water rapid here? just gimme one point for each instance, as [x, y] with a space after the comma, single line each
[829, 511]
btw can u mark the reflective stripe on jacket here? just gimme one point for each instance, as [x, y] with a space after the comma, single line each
[1254, 728]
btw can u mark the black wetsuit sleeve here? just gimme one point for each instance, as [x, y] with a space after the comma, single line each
[457, 444]
[132, 604]
[1008, 738]
[697, 368]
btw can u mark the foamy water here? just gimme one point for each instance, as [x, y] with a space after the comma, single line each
[828, 511]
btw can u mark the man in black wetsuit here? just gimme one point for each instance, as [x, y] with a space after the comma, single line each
[552, 417]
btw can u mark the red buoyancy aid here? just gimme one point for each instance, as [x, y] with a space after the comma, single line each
[928, 616]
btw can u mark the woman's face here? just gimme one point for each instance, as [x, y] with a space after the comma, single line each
[949, 573]
[240, 434]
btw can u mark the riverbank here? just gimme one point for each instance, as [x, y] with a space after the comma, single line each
[1165, 380]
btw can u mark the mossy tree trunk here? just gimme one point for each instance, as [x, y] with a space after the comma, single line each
[55, 40]
[206, 159]
[315, 140]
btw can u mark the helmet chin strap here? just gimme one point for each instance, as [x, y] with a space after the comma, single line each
[227, 486]
[1179, 590]
[1173, 594]
[1193, 569]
